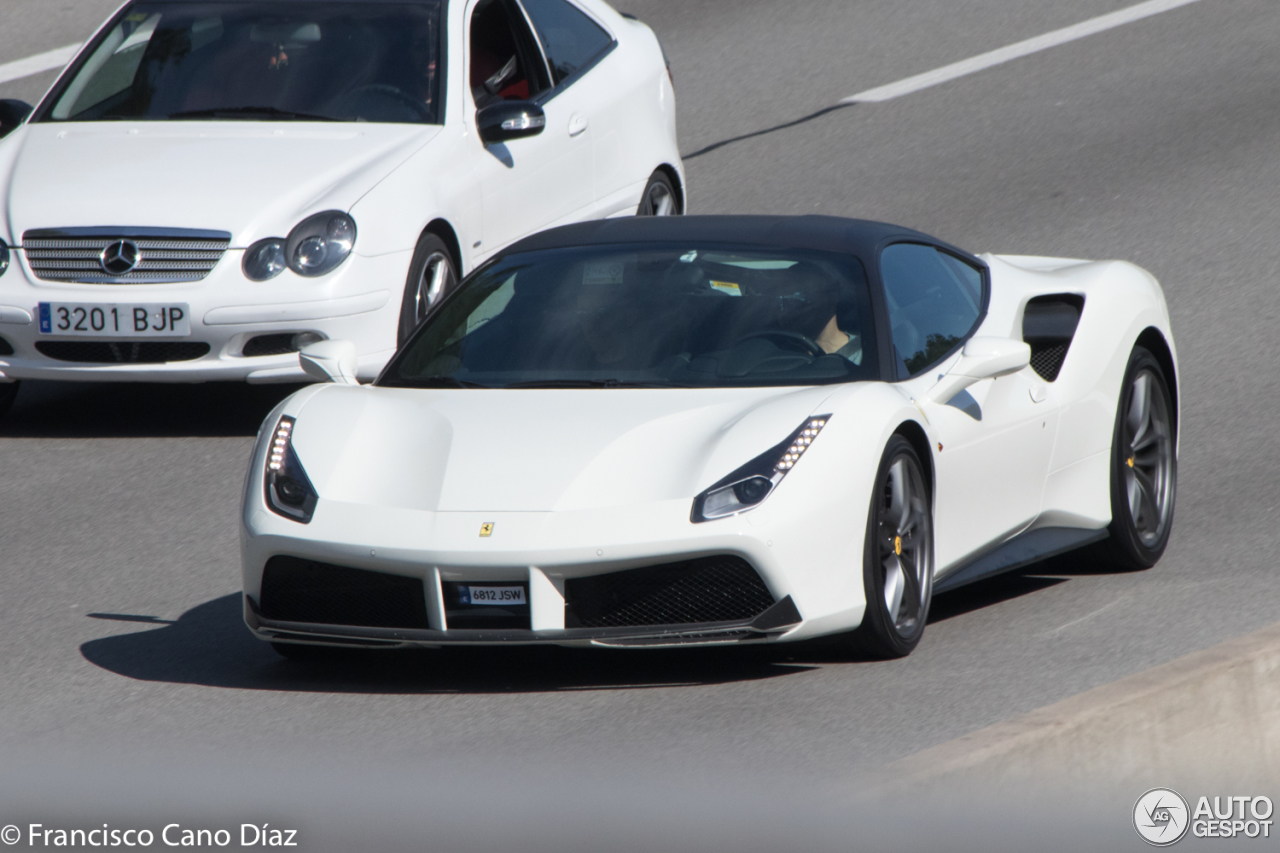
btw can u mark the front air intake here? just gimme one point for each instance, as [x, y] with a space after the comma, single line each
[723, 588]
[123, 351]
[295, 589]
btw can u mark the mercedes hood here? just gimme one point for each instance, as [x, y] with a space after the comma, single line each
[253, 179]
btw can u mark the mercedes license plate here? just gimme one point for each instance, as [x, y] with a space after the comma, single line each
[121, 320]
[491, 595]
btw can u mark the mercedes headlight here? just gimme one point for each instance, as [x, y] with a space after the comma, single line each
[264, 259]
[289, 492]
[320, 243]
[749, 485]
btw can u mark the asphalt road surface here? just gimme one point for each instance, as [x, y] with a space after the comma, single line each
[1156, 142]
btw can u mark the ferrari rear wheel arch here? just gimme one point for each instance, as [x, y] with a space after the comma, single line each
[897, 556]
[1144, 465]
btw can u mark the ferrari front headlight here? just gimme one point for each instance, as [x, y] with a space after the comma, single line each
[749, 485]
[4, 258]
[288, 491]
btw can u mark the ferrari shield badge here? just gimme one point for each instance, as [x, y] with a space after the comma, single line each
[486, 529]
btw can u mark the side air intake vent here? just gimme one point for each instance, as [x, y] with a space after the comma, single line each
[1048, 325]
[299, 590]
[709, 589]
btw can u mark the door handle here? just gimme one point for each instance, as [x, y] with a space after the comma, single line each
[577, 124]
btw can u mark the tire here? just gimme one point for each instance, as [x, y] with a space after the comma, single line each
[432, 274]
[660, 197]
[8, 391]
[1144, 467]
[899, 525]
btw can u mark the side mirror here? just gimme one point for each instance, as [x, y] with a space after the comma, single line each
[508, 120]
[12, 114]
[330, 361]
[982, 358]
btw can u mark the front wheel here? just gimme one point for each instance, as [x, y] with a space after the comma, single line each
[1144, 467]
[659, 197]
[432, 274]
[897, 563]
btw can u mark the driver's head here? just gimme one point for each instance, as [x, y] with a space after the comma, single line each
[807, 299]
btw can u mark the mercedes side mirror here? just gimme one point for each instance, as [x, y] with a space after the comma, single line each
[982, 358]
[507, 120]
[12, 114]
[330, 361]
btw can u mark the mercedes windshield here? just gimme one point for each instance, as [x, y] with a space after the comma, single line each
[281, 61]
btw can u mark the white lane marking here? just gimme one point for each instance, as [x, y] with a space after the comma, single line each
[38, 63]
[1073, 622]
[1014, 51]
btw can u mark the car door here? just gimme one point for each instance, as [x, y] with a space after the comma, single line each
[995, 439]
[539, 181]
[599, 93]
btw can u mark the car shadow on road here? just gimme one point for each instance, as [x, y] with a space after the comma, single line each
[209, 645]
[986, 593]
[139, 410]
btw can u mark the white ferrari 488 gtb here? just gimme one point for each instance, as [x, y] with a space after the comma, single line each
[714, 430]
[212, 184]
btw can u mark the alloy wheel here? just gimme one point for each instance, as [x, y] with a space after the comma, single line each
[658, 201]
[903, 540]
[436, 280]
[1148, 464]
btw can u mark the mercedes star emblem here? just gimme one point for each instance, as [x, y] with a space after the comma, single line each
[120, 257]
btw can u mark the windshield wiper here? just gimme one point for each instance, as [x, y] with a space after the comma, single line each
[440, 382]
[589, 383]
[251, 112]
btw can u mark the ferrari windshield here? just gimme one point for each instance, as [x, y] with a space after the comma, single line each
[299, 61]
[651, 316]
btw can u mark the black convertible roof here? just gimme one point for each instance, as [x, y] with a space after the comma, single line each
[825, 233]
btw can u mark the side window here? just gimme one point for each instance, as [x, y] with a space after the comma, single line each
[570, 38]
[934, 299]
[505, 62]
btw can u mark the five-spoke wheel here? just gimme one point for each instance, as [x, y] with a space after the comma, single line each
[898, 559]
[1144, 466]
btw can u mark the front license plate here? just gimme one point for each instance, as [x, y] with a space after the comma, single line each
[491, 595]
[139, 320]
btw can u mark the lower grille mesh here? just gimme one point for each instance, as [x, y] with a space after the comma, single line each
[124, 352]
[299, 590]
[709, 589]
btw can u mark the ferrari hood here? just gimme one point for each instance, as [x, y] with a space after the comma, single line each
[253, 179]
[536, 450]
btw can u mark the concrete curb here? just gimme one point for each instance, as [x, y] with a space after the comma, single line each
[1209, 717]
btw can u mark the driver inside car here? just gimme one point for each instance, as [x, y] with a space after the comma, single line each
[807, 306]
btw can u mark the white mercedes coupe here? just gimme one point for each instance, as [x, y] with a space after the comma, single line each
[659, 432]
[212, 184]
